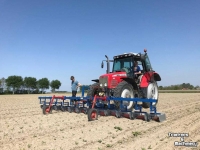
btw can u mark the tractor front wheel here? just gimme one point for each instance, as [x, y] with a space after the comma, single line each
[93, 90]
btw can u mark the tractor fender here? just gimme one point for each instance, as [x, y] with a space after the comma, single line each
[96, 80]
[156, 76]
[146, 78]
[130, 81]
[144, 81]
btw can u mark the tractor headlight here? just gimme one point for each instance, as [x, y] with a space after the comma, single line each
[101, 84]
[105, 84]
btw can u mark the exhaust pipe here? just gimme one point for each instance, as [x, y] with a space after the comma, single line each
[108, 64]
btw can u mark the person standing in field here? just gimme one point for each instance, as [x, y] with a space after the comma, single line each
[74, 86]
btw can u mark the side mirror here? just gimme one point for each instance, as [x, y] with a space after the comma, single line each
[142, 58]
[102, 64]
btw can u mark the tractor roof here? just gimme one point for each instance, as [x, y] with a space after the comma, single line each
[127, 54]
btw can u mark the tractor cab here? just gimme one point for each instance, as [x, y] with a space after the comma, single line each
[126, 63]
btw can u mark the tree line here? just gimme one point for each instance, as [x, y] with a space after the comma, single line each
[17, 84]
[183, 86]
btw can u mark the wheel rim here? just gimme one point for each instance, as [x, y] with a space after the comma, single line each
[126, 93]
[93, 115]
[47, 110]
[152, 92]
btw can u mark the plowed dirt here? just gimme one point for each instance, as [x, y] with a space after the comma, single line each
[23, 126]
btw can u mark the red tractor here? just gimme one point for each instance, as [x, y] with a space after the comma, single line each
[123, 82]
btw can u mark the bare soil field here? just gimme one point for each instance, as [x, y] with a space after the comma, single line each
[23, 126]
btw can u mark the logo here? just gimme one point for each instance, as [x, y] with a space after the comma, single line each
[182, 140]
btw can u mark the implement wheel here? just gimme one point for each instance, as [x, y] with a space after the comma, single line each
[118, 114]
[106, 112]
[46, 109]
[85, 111]
[55, 107]
[77, 110]
[131, 115]
[92, 114]
[63, 108]
[147, 117]
[69, 109]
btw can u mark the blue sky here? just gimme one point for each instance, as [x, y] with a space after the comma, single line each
[57, 39]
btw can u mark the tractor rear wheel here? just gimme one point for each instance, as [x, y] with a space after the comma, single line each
[125, 90]
[152, 93]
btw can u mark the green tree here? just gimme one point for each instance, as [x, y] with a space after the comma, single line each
[1, 89]
[14, 82]
[55, 84]
[3, 83]
[191, 87]
[43, 84]
[197, 87]
[30, 83]
[183, 85]
[176, 87]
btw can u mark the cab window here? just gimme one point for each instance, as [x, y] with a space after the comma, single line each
[148, 64]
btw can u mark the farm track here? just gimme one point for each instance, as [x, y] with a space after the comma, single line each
[25, 127]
